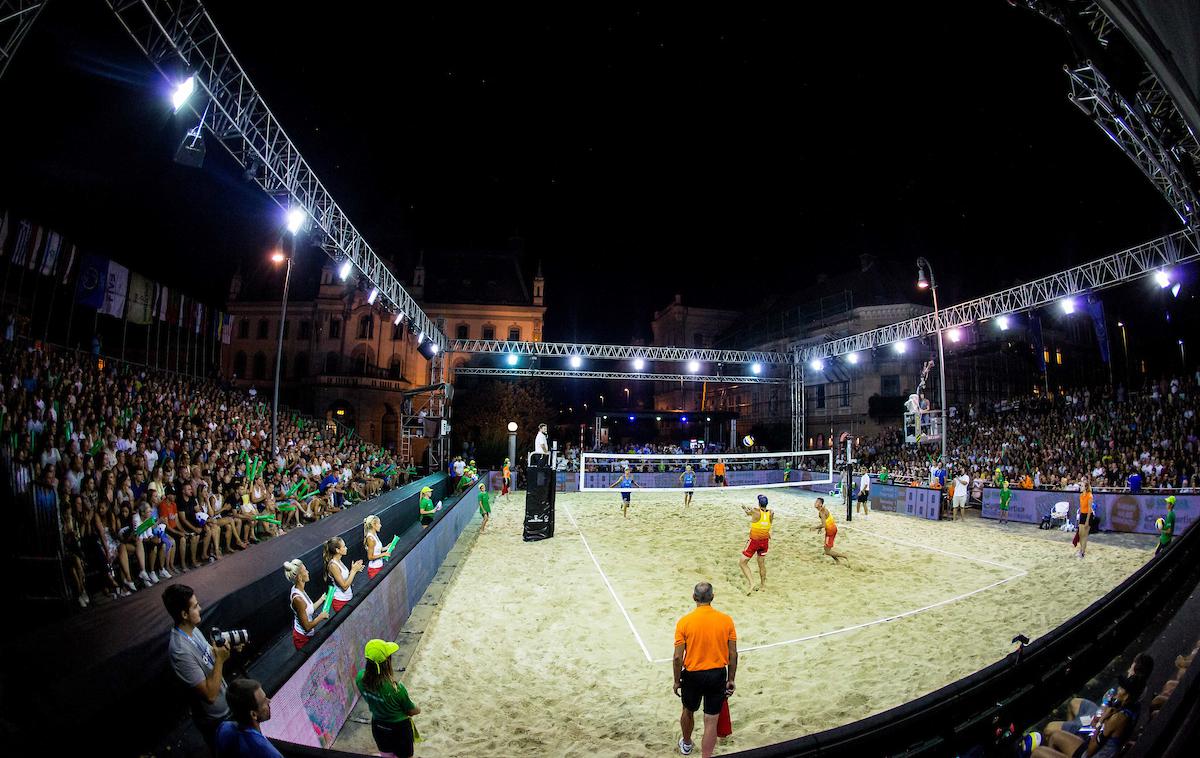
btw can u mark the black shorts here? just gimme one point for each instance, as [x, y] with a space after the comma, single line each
[718, 478]
[709, 685]
[426, 520]
[864, 497]
[393, 737]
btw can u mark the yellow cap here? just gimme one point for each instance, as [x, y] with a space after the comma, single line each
[378, 651]
[1171, 499]
[427, 489]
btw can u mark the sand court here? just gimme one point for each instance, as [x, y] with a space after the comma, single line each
[562, 647]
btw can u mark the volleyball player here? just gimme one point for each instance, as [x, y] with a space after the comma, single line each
[761, 518]
[625, 481]
[830, 528]
[688, 479]
[507, 477]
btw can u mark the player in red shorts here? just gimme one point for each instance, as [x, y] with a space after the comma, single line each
[761, 518]
[830, 528]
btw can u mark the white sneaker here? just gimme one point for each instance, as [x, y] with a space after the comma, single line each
[162, 574]
[149, 580]
[130, 586]
[83, 601]
[685, 748]
[122, 592]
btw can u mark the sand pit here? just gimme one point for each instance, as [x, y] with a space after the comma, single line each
[562, 647]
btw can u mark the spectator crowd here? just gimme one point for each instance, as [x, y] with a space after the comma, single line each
[154, 473]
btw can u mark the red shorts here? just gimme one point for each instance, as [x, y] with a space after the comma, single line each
[372, 572]
[829, 540]
[504, 491]
[756, 546]
[299, 639]
[339, 604]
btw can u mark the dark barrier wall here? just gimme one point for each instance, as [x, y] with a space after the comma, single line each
[1119, 512]
[315, 692]
[921, 502]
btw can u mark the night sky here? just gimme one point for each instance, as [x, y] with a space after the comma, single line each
[725, 154]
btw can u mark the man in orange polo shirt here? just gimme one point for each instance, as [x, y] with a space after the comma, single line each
[705, 644]
[719, 473]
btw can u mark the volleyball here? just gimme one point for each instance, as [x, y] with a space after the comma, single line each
[1031, 742]
[748, 441]
[1158, 524]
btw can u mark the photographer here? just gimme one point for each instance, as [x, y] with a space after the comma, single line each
[196, 663]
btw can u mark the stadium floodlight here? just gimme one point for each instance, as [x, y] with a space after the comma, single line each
[816, 364]
[955, 334]
[278, 257]
[852, 359]
[576, 361]
[182, 92]
[658, 418]
[371, 297]
[1003, 322]
[420, 337]
[900, 347]
[295, 220]
[684, 419]
[638, 364]
[1163, 279]
[433, 348]
[1175, 289]
[631, 418]
[756, 368]
[511, 359]
[344, 271]
[693, 366]
[1068, 305]
[708, 418]
[399, 318]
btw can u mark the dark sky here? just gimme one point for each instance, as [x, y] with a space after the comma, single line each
[727, 154]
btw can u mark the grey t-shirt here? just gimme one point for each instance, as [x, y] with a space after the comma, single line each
[192, 662]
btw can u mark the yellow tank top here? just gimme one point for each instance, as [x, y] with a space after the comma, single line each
[761, 529]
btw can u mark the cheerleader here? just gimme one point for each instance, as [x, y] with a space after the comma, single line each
[337, 574]
[373, 545]
[304, 625]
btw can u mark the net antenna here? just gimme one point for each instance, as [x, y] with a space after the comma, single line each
[661, 473]
[922, 423]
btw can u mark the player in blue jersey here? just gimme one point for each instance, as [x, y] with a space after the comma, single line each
[688, 479]
[625, 482]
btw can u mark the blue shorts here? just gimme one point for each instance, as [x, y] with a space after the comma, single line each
[625, 496]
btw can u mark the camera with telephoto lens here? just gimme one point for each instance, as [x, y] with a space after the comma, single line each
[232, 638]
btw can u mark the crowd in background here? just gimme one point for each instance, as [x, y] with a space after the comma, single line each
[153, 473]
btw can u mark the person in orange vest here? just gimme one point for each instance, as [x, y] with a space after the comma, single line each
[719, 473]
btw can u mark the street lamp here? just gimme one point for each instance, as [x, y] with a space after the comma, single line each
[1125, 351]
[512, 442]
[923, 267]
[602, 401]
[627, 397]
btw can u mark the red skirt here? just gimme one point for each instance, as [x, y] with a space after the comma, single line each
[299, 639]
[339, 604]
[504, 489]
[372, 572]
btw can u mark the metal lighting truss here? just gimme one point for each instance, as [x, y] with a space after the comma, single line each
[179, 36]
[16, 17]
[624, 376]
[1136, 129]
[1174, 249]
[618, 352]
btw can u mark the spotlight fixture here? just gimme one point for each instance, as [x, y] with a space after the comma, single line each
[1163, 279]
[511, 359]
[576, 361]
[852, 359]
[1175, 289]
[955, 334]
[344, 271]
[1003, 322]
[295, 220]
[638, 364]
[756, 368]
[182, 92]
[900, 347]
[191, 149]
[693, 366]
[1068, 306]
[371, 297]
[816, 364]
[399, 318]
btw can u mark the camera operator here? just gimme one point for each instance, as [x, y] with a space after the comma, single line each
[196, 663]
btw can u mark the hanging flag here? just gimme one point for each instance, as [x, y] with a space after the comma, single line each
[50, 259]
[93, 276]
[141, 295]
[1096, 311]
[68, 265]
[182, 319]
[115, 290]
[1039, 349]
[21, 248]
[35, 249]
[198, 318]
[160, 303]
[228, 335]
[4, 227]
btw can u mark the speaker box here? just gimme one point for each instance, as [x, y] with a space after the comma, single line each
[539, 503]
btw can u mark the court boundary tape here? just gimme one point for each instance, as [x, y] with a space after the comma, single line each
[611, 591]
[819, 635]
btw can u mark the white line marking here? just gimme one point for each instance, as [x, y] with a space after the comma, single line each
[613, 592]
[931, 549]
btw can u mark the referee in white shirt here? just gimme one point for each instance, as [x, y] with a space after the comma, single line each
[864, 495]
[541, 448]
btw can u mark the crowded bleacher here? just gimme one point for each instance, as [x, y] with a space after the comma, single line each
[153, 474]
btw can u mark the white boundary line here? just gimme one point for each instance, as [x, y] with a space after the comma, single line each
[608, 584]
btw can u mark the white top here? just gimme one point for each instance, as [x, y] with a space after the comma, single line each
[335, 566]
[540, 445]
[308, 608]
[373, 545]
[864, 484]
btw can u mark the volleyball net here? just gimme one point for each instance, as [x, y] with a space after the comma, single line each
[662, 473]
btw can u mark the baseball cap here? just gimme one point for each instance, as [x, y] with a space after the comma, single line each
[427, 489]
[378, 651]
[762, 499]
[1171, 499]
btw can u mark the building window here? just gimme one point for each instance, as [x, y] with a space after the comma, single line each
[489, 332]
[844, 395]
[335, 328]
[239, 362]
[301, 364]
[462, 332]
[820, 396]
[1046, 354]
[397, 332]
[286, 324]
[263, 327]
[366, 328]
[305, 329]
[1058, 356]
[332, 362]
[514, 334]
[243, 329]
[889, 385]
[260, 366]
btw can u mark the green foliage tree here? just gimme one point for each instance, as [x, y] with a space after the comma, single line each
[482, 410]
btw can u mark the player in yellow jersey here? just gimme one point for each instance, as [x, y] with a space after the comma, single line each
[761, 519]
[829, 526]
